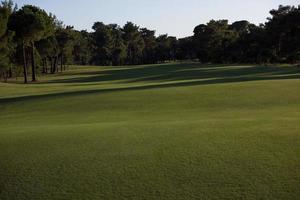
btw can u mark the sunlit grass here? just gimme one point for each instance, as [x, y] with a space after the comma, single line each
[173, 131]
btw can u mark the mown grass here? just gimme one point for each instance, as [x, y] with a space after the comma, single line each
[173, 131]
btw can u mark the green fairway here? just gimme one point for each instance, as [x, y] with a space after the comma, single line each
[170, 131]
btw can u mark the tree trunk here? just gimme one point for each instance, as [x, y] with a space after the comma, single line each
[61, 62]
[44, 71]
[10, 73]
[5, 76]
[33, 63]
[25, 64]
[51, 65]
[46, 66]
[56, 63]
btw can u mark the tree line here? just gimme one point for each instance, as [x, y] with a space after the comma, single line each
[33, 41]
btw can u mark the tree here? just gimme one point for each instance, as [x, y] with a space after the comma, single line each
[47, 49]
[150, 45]
[166, 48]
[7, 47]
[119, 53]
[185, 49]
[102, 44]
[31, 36]
[134, 42]
[82, 47]
[200, 40]
[31, 24]
[64, 38]
[4, 39]
[251, 45]
[214, 40]
[283, 29]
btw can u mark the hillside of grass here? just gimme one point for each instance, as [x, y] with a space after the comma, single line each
[170, 131]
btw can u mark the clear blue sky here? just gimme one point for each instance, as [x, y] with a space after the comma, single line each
[175, 17]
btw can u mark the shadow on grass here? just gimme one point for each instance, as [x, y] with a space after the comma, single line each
[176, 72]
[274, 75]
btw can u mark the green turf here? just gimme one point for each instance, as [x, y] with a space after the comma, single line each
[173, 131]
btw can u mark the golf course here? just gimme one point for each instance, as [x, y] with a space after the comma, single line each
[167, 131]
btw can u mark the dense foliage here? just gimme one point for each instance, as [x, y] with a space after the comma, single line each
[31, 36]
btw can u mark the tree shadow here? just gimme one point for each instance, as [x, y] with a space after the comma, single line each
[278, 75]
[175, 72]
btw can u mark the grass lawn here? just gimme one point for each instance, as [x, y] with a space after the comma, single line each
[171, 131]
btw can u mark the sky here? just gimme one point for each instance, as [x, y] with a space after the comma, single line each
[174, 17]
